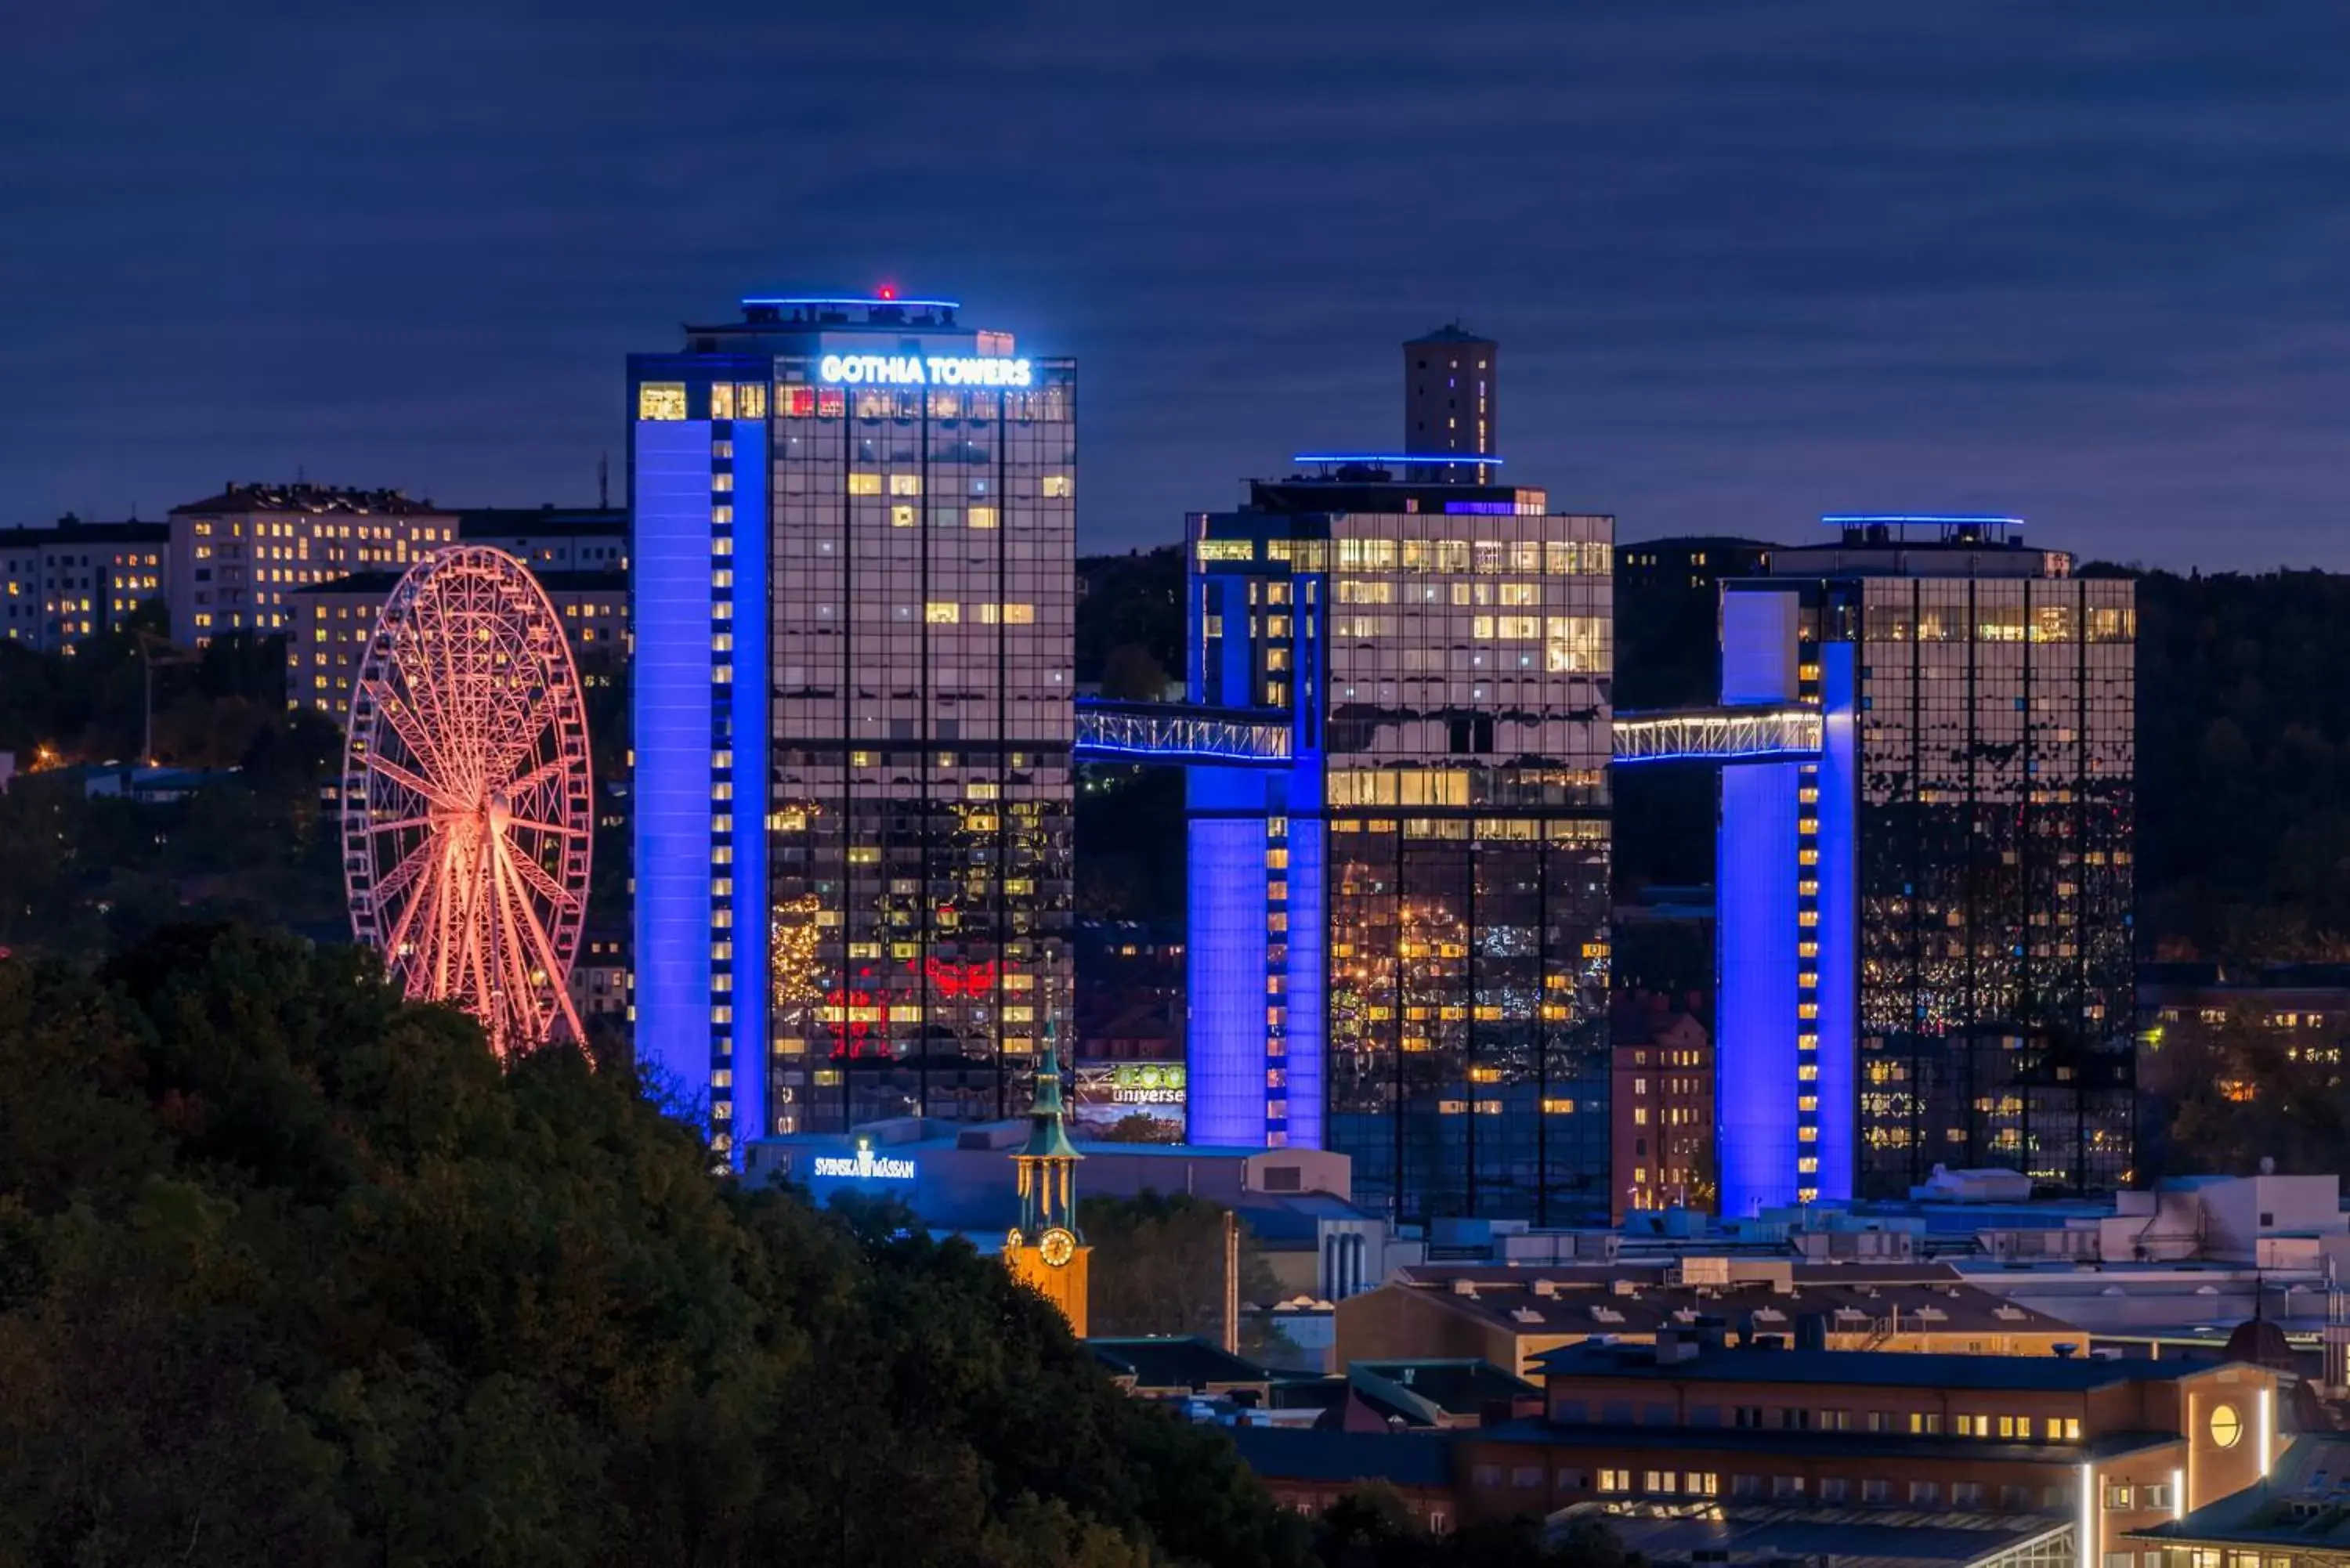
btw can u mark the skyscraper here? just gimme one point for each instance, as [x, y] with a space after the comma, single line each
[1925, 931]
[1451, 402]
[854, 540]
[1399, 935]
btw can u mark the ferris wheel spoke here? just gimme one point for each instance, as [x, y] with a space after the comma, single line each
[531, 875]
[546, 773]
[411, 780]
[396, 824]
[402, 720]
[544, 947]
[554, 827]
[395, 881]
[517, 929]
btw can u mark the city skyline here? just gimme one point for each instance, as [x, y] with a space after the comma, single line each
[1759, 270]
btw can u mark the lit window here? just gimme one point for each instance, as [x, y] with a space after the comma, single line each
[865, 484]
[1056, 486]
[942, 612]
[905, 484]
[655, 400]
[981, 516]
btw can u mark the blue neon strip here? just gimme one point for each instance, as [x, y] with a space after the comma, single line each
[1758, 754]
[849, 299]
[1092, 750]
[1756, 935]
[1224, 1049]
[749, 743]
[1838, 931]
[1308, 1022]
[1396, 457]
[1843, 517]
[670, 701]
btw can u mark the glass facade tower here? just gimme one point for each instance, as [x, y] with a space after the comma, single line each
[853, 539]
[1398, 938]
[1926, 943]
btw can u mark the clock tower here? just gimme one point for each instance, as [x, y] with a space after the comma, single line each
[1045, 1252]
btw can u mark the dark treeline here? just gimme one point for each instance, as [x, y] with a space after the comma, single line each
[291, 1272]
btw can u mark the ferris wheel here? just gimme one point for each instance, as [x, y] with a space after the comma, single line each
[466, 796]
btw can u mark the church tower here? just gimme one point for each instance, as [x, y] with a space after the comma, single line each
[1044, 1250]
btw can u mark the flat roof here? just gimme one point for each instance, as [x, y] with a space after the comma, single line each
[378, 584]
[1421, 1458]
[1850, 1538]
[1879, 1368]
[1615, 1435]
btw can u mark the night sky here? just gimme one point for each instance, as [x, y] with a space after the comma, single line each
[1749, 261]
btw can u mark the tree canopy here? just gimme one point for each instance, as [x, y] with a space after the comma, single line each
[292, 1272]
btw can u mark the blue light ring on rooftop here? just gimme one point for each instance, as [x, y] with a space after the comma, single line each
[858, 301]
[1402, 458]
[1862, 519]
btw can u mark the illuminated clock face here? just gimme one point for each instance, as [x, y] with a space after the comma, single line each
[1058, 1246]
[1011, 1240]
[2227, 1427]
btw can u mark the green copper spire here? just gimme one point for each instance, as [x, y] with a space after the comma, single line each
[1047, 1138]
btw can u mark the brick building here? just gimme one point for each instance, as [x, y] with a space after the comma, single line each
[1660, 1144]
[2111, 1446]
[2016, 1450]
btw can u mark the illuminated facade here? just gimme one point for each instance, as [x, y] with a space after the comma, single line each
[1399, 930]
[236, 558]
[328, 625]
[61, 585]
[853, 562]
[1925, 938]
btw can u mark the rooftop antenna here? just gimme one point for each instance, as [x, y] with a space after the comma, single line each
[604, 482]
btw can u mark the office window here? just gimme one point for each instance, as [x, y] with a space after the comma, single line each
[655, 400]
[1527, 1476]
[1876, 1490]
[1831, 1488]
[1966, 1494]
[1924, 1493]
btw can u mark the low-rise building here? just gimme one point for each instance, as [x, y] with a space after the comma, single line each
[331, 623]
[2299, 1518]
[63, 585]
[601, 978]
[236, 559]
[2109, 1445]
[1514, 1316]
[1660, 1111]
[1309, 1470]
[2054, 1461]
[551, 538]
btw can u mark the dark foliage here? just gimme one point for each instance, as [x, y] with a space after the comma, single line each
[292, 1272]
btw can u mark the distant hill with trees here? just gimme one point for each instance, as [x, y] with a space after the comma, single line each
[292, 1272]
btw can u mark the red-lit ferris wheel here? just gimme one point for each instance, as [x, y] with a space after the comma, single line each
[467, 795]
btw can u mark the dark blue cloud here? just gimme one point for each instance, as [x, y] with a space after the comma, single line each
[1749, 262]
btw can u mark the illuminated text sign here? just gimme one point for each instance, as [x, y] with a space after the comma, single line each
[864, 1166]
[922, 370]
